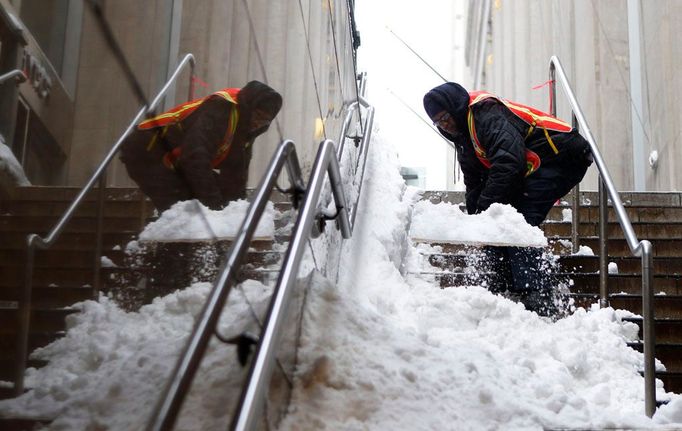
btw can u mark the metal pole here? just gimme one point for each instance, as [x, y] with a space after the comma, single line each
[648, 334]
[252, 398]
[166, 411]
[575, 207]
[638, 248]
[98, 234]
[603, 247]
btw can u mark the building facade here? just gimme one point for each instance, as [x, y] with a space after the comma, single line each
[77, 102]
[620, 56]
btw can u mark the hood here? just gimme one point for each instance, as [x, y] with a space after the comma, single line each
[450, 97]
[257, 96]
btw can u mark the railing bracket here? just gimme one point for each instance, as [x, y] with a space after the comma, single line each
[244, 342]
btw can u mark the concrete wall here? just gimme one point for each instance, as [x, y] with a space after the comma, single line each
[305, 54]
[591, 40]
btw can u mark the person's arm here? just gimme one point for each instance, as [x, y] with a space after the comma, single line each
[234, 171]
[499, 134]
[199, 145]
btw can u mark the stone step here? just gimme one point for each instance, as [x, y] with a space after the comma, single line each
[43, 224]
[587, 198]
[47, 321]
[58, 258]
[670, 247]
[626, 265]
[670, 354]
[672, 381]
[112, 209]
[46, 297]
[643, 230]
[71, 241]
[69, 193]
[666, 330]
[630, 284]
[665, 307]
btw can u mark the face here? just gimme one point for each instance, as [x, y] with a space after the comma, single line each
[445, 121]
[260, 119]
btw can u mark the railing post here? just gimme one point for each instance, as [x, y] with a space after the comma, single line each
[24, 319]
[96, 285]
[648, 333]
[603, 246]
[575, 207]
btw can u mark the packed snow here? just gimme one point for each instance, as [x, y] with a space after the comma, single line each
[190, 220]
[378, 350]
[498, 225]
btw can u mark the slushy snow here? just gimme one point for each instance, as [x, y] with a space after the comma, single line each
[378, 350]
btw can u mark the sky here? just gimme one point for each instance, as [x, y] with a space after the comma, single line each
[383, 349]
[396, 77]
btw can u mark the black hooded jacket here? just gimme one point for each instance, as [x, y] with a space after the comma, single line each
[199, 136]
[503, 137]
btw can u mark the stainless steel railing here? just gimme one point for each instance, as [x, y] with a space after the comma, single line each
[638, 248]
[253, 394]
[167, 409]
[34, 241]
[16, 73]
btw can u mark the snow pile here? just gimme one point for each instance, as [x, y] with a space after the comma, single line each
[498, 225]
[191, 220]
[109, 370]
[383, 353]
[377, 351]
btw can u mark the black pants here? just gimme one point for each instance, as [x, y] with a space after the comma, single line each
[143, 162]
[523, 271]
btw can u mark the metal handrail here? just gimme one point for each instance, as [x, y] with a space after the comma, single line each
[260, 372]
[167, 409]
[16, 73]
[34, 241]
[364, 145]
[251, 400]
[638, 248]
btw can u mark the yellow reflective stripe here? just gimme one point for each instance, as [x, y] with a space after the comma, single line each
[226, 96]
[542, 118]
[551, 143]
[174, 114]
[152, 141]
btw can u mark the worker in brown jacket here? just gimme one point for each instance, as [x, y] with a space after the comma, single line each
[200, 149]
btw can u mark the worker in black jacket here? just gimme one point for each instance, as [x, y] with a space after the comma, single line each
[200, 149]
[511, 154]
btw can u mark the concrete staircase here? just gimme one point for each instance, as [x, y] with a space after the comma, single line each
[655, 216]
[64, 274]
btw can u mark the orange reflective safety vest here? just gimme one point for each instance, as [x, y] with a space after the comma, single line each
[175, 116]
[531, 116]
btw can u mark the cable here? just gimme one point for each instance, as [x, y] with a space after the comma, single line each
[415, 53]
[118, 53]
